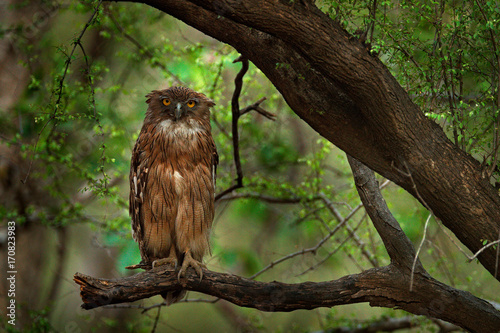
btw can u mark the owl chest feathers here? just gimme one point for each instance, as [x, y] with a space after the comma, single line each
[186, 141]
[179, 148]
[181, 130]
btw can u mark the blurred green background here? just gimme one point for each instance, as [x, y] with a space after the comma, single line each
[72, 108]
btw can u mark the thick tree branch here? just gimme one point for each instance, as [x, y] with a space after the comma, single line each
[386, 287]
[348, 96]
[397, 244]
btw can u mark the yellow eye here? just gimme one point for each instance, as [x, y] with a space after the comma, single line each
[191, 103]
[166, 102]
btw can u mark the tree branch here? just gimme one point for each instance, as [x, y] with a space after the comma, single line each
[393, 324]
[235, 110]
[236, 114]
[256, 107]
[386, 287]
[397, 244]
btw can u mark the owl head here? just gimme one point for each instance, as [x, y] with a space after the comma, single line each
[178, 103]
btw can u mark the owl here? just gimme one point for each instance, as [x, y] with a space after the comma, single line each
[172, 182]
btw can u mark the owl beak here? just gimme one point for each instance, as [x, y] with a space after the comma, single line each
[178, 111]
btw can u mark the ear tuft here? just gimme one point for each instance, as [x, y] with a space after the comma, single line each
[150, 96]
[209, 102]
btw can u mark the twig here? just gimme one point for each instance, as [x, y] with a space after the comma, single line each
[497, 256]
[330, 254]
[123, 306]
[264, 197]
[450, 237]
[339, 218]
[61, 87]
[144, 50]
[226, 191]
[218, 75]
[431, 213]
[483, 248]
[256, 107]
[471, 258]
[362, 245]
[147, 308]
[157, 305]
[311, 249]
[236, 114]
[496, 132]
[98, 122]
[153, 330]
[418, 251]
[239, 322]
[394, 324]
[61, 252]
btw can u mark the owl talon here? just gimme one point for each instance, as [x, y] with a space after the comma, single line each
[189, 261]
[172, 262]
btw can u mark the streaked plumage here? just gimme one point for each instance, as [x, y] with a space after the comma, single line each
[172, 180]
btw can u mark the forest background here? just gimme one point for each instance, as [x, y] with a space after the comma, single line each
[72, 85]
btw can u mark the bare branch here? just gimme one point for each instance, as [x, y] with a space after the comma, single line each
[264, 197]
[256, 107]
[235, 111]
[311, 249]
[394, 324]
[469, 257]
[415, 260]
[358, 241]
[385, 287]
[483, 248]
[155, 324]
[397, 244]
[331, 253]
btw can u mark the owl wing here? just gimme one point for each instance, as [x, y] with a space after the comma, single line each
[138, 179]
[215, 162]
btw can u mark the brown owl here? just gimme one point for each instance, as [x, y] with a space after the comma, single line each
[172, 181]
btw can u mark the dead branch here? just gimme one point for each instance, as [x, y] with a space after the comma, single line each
[385, 287]
[256, 107]
[394, 324]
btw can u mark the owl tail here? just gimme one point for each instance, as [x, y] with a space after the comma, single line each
[173, 296]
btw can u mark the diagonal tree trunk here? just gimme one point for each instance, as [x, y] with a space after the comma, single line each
[332, 82]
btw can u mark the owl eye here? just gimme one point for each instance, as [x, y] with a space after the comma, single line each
[166, 102]
[191, 103]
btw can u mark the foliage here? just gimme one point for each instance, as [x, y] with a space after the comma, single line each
[446, 55]
[81, 111]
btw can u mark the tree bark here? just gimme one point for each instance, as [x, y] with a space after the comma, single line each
[347, 95]
[386, 287]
